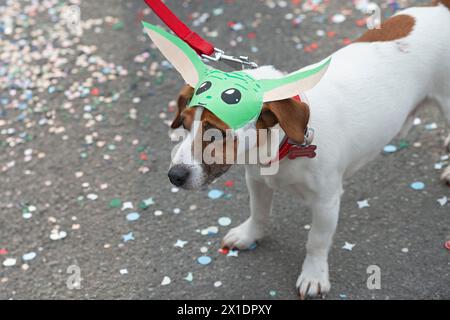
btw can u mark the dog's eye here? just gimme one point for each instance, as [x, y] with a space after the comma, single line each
[205, 86]
[231, 96]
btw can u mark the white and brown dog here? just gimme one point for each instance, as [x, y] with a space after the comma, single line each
[369, 94]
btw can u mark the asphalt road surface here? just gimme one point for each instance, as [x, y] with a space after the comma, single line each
[84, 154]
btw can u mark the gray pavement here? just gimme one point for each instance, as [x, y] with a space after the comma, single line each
[64, 162]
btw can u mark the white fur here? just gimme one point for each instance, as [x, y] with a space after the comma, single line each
[369, 92]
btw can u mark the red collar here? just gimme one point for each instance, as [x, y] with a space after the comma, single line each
[293, 151]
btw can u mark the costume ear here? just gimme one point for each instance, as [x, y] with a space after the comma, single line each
[183, 58]
[293, 117]
[183, 99]
[294, 83]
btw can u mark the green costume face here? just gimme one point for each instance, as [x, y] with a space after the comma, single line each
[234, 97]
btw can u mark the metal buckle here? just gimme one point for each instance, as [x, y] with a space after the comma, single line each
[309, 138]
[232, 61]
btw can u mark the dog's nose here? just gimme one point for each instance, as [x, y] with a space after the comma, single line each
[178, 175]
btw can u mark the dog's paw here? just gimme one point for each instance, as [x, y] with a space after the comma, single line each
[244, 236]
[446, 175]
[313, 282]
[447, 144]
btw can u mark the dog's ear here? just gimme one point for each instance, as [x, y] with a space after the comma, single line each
[293, 117]
[183, 99]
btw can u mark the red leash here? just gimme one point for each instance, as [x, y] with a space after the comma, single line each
[180, 29]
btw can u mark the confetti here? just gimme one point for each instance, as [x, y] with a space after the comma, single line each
[115, 203]
[133, 216]
[29, 256]
[442, 201]
[418, 185]
[224, 221]
[215, 194]
[348, 246]
[204, 260]
[189, 277]
[233, 253]
[10, 262]
[166, 281]
[128, 237]
[363, 204]
[447, 245]
[390, 149]
[180, 243]
[55, 235]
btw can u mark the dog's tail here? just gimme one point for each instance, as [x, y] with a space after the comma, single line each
[444, 2]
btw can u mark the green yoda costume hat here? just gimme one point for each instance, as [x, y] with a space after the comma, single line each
[234, 97]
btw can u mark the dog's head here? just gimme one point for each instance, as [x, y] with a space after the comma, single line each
[218, 101]
[207, 135]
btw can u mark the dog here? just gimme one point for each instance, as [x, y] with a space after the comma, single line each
[368, 96]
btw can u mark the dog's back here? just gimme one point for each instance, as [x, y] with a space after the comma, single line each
[376, 83]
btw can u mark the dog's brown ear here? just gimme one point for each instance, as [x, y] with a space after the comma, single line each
[293, 117]
[183, 99]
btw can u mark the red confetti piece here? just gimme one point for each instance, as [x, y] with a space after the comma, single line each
[251, 35]
[229, 183]
[224, 251]
[447, 245]
[331, 34]
[143, 156]
[3, 251]
[346, 41]
[95, 92]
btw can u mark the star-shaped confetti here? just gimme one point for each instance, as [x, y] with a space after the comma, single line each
[180, 243]
[348, 246]
[127, 205]
[363, 204]
[233, 253]
[128, 237]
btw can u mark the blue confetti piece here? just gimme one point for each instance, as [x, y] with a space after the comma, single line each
[204, 260]
[418, 185]
[215, 194]
[253, 246]
[133, 216]
[390, 149]
[29, 256]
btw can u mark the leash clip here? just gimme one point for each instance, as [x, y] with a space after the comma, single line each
[232, 61]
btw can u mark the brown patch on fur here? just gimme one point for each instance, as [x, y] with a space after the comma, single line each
[293, 117]
[219, 147]
[185, 95]
[395, 28]
[444, 2]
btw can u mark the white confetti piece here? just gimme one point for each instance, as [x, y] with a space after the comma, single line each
[348, 246]
[442, 201]
[363, 204]
[10, 262]
[166, 281]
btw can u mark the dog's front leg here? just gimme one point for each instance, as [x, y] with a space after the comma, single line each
[314, 281]
[246, 234]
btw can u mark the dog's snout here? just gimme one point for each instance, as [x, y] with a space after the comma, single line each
[178, 175]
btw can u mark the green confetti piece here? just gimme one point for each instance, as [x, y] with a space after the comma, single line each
[115, 203]
[118, 26]
[403, 144]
